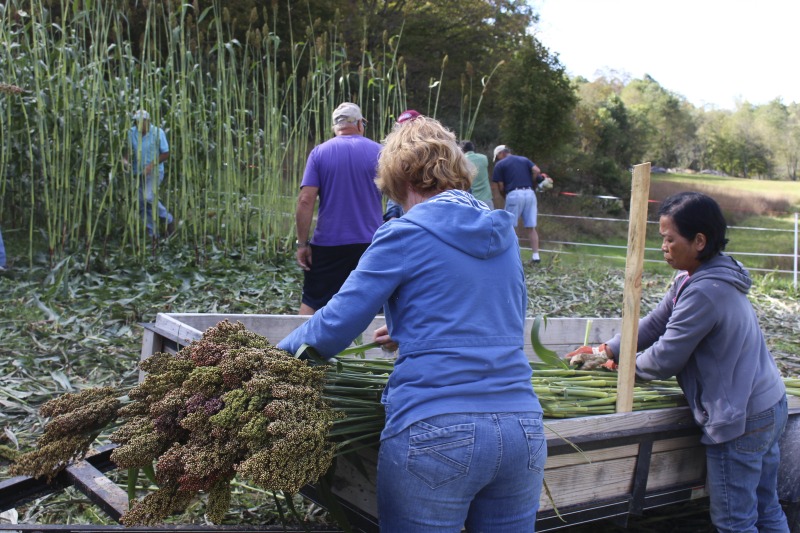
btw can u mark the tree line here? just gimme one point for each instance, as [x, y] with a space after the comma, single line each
[589, 132]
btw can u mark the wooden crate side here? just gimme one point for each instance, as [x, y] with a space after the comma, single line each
[151, 343]
[562, 335]
[678, 417]
[589, 482]
[681, 443]
[558, 334]
[677, 467]
[350, 483]
[591, 456]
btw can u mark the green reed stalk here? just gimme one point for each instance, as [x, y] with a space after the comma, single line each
[474, 113]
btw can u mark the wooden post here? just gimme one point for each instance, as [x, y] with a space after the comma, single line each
[632, 294]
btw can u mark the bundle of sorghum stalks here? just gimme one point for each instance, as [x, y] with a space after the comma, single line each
[229, 404]
[76, 420]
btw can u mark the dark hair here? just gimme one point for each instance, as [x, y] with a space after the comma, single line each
[693, 213]
[467, 146]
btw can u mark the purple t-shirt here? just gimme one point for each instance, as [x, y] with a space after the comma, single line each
[350, 209]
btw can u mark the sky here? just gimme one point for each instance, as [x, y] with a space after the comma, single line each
[715, 53]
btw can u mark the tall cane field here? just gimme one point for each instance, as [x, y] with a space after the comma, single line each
[239, 119]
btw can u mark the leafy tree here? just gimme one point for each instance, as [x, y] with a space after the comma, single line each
[778, 125]
[736, 147]
[537, 102]
[709, 125]
[665, 120]
[450, 47]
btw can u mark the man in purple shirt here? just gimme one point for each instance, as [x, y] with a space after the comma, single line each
[341, 172]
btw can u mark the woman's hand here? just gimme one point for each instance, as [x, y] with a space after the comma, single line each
[592, 357]
[381, 336]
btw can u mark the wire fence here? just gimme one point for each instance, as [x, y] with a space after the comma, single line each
[568, 244]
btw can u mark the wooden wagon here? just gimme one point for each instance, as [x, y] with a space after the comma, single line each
[630, 462]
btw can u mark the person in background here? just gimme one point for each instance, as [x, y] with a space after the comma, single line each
[480, 185]
[516, 177]
[463, 443]
[705, 331]
[341, 172]
[2, 253]
[147, 151]
[393, 210]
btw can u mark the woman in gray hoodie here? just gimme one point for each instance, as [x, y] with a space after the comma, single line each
[706, 333]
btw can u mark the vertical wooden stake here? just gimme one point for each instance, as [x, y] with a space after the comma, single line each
[632, 294]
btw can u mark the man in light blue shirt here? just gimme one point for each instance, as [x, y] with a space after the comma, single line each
[148, 150]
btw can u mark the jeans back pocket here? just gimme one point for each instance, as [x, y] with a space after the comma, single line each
[537, 445]
[758, 433]
[440, 455]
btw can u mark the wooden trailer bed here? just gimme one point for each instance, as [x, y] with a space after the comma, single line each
[628, 462]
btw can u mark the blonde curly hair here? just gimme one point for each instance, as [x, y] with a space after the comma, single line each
[425, 155]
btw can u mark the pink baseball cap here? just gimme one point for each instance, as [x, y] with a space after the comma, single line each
[408, 114]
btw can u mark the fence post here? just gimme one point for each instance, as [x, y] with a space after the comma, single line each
[634, 264]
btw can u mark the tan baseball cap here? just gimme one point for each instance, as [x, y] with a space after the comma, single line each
[499, 149]
[141, 115]
[347, 112]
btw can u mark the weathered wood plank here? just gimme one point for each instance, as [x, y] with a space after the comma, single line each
[675, 467]
[678, 417]
[583, 483]
[591, 456]
[151, 343]
[98, 488]
[559, 334]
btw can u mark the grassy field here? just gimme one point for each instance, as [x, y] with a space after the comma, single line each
[749, 191]
[747, 204]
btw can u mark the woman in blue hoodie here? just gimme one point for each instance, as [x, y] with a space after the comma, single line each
[463, 443]
[705, 332]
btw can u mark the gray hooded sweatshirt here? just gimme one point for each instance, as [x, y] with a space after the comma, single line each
[706, 333]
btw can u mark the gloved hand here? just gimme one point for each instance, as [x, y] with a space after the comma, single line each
[545, 182]
[610, 365]
[589, 357]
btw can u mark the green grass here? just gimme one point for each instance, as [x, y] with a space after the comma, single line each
[789, 189]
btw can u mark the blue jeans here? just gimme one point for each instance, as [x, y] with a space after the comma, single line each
[479, 470]
[743, 476]
[147, 194]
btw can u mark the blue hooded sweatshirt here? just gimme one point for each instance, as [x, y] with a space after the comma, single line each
[706, 333]
[450, 275]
